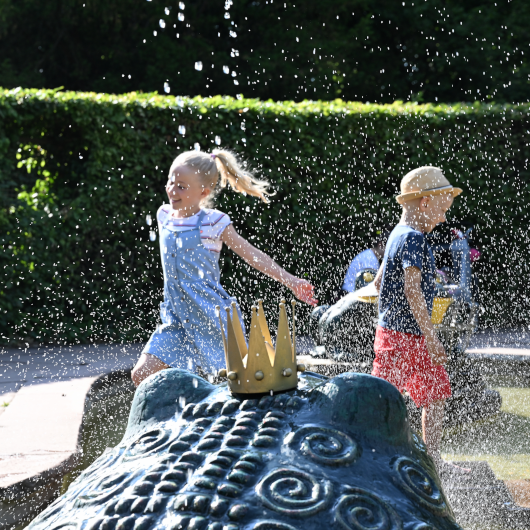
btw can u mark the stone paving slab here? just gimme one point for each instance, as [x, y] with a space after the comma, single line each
[45, 389]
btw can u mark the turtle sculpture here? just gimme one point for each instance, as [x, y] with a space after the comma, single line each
[198, 456]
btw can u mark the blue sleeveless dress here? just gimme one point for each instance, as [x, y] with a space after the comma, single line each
[190, 334]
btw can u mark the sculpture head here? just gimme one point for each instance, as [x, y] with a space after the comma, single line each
[333, 452]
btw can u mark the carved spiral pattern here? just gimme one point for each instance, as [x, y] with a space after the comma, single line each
[424, 526]
[293, 492]
[362, 510]
[105, 489]
[272, 525]
[324, 445]
[147, 443]
[413, 479]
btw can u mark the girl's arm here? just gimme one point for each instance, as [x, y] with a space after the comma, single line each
[302, 289]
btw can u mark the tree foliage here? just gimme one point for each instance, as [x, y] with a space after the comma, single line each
[358, 50]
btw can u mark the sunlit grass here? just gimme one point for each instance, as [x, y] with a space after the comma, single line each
[503, 441]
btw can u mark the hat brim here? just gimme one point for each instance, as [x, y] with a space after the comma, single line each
[404, 197]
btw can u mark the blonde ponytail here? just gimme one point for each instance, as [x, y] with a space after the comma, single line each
[240, 180]
[222, 162]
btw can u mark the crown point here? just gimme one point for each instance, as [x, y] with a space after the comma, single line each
[259, 375]
[300, 367]
[232, 376]
[287, 372]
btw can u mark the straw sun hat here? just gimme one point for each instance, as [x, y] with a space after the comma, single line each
[425, 181]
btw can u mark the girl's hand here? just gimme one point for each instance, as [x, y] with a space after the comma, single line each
[304, 291]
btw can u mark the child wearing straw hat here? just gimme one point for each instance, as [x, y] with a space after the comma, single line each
[408, 353]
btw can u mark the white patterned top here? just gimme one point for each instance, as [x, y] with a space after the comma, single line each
[213, 225]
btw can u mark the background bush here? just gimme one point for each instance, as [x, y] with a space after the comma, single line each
[360, 50]
[80, 173]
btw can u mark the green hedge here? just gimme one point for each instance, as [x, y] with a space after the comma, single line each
[80, 173]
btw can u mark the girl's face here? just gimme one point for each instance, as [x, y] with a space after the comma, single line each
[185, 190]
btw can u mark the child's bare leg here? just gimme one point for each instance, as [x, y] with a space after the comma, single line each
[432, 423]
[147, 365]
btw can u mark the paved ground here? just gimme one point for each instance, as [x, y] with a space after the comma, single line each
[43, 393]
[42, 399]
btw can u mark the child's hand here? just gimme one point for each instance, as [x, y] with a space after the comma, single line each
[304, 291]
[437, 351]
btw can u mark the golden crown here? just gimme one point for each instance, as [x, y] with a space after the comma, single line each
[259, 368]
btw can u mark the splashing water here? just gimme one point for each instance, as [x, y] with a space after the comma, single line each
[180, 16]
[148, 220]
[167, 88]
[181, 5]
[152, 235]
[198, 66]
[182, 129]
[162, 23]
[217, 140]
[197, 146]
[226, 70]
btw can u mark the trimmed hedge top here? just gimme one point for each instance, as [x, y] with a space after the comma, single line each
[80, 173]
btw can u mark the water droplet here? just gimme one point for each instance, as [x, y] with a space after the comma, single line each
[181, 5]
[247, 209]
[198, 66]
[152, 235]
[234, 73]
[162, 23]
[195, 384]
[190, 364]
[217, 140]
[182, 402]
[201, 274]
[166, 10]
[233, 34]
[148, 220]
[167, 88]
[227, 15]
[154, 33]
[236, 82]
[179, 243]
[226, 70]
[197, 146]
[181, 17]
[180, 101]
[182, 129]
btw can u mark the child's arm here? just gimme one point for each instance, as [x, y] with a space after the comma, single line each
[379, 278]
[302, 289]
[418, 306]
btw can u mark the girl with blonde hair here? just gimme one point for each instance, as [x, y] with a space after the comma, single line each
[191, 237]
